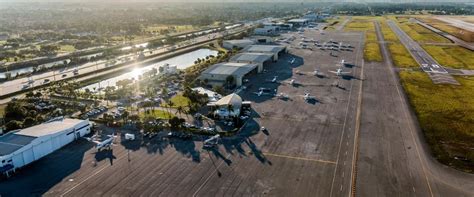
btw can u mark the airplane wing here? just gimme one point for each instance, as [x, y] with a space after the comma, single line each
[333, 72]
[345, 72]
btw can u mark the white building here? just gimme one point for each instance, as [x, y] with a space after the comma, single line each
[267, 31]
[230, 44]
[167, 69]
[275, 50]
[253, 58]
[217, 74]
[228, 106]
[213, 96]
[22, 147]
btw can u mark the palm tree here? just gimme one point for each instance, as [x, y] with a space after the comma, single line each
[170, 105]
[179, 110]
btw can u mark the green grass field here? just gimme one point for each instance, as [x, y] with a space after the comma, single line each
[401, 57]
[366, 24]
[67, 48]
[451, 56]
[155, 114]
[179, 100]
[446, 115]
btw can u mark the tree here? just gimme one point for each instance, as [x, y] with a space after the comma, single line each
[13, 125]
[175, 122]
[29, 121]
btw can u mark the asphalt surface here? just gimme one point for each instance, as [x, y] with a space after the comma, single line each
[394, 159]
[456, 40]
[437, 73]
[457, 23]
[307, 151]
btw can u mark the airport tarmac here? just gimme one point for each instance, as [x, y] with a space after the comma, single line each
[307, 151]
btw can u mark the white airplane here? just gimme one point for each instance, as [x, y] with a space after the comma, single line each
[316, 72]
[339, 72]
[273, 80]
[292, 61]
[107, 143]
[307, 97]
[262, 91]
[212, 141]
[343, 62]
[283, 96]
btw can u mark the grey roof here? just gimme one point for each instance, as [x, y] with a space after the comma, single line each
[265, 48]
[230, 68]
[298, 20]
[243, 41]
[49, 127]
[11, 142]
[252, 57]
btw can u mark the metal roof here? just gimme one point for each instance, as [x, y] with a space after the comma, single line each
[252, 57]
[230, 68]
[298, 20]
[265, 48]
[49, 127]
[11, 142]
[243, 41]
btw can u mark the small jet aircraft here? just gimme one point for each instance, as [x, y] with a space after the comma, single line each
[339, 72]
[107, 143]
[317, 73]
[263, 91]
[292, 61]
[212, 141]
[307, 97]
[282, 96]
[273, 80]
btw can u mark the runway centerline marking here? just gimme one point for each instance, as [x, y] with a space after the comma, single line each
[299, 158]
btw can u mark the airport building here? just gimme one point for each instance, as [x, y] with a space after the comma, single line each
[230, 44]
[22, 147]
[228, 106]
[275, 50]
[253, 58]
[217, 74]
[267, 31]
[299, 22]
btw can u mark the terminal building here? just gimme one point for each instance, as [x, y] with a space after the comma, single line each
[22, 147]
[299, 22]
[275, 50]
[217, 74]
[253, 58]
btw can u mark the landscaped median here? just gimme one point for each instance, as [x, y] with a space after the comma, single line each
[446, 116]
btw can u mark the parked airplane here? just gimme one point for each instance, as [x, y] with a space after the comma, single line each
[273, 80]
[212, 141]
[339, 72]
[107, 143]
[292, 61]
[318, 73]
[307, 97]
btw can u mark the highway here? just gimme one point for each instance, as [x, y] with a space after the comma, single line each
[96, 67]
[394, 159]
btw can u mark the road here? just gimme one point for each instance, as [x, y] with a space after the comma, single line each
[394, 159]
[95, 67]
[456, 40]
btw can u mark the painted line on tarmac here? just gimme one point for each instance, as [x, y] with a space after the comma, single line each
[299, 158]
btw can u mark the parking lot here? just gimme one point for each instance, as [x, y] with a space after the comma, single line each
[307, 149]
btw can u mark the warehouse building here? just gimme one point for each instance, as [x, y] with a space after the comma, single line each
[217, 74]
[22, 147]
[253, 58]
[275, 50]
[299, 22]
[267, 31]
[231, 44]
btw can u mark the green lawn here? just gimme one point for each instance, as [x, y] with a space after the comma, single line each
[67, 48]
[401, 57]
[179, 100]
[421, 34]
[155, 114]
[452, 56]
[446, 116]
[372, 52]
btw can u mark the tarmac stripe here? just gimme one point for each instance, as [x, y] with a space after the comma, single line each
[299, 158]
